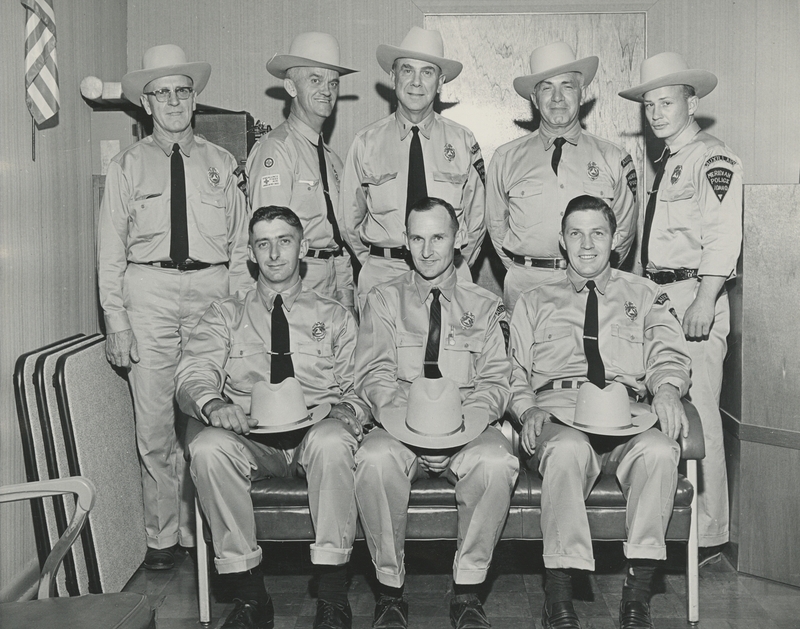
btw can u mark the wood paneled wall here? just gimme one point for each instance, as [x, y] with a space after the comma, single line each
[47, 279]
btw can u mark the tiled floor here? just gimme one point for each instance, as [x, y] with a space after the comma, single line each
[513, 597]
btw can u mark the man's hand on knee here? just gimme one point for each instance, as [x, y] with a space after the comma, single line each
[220, 414]
[532, 421]
[667, 405]
[345, 414]
[121, 348]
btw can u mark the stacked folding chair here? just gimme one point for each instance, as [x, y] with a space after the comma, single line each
[76, 418]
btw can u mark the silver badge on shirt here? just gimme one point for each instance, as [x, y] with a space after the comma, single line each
[467, 320]
[449, 152]
[631, 311]
[593, 170]
[213, 176]
[676, 174]
[318, 331]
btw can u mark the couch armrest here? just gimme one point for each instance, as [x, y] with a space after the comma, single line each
[84, 491]
[693, 446]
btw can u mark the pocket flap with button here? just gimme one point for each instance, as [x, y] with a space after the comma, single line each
[457, 179]
[463, 341]
[409, 340]
[547, 335]
[240, 350]
[600, 189]
[316, 348]
[673, 193]
[526, 189]
[632, 335]
[376, 180]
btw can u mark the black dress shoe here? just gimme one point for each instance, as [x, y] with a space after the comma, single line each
[560, 616]
[160, 558]
[333, 616]
[466, 612]
[251, 615]
[634, 615]
[390, 613]
[707, 555]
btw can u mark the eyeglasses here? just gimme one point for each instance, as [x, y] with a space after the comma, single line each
[163, 95]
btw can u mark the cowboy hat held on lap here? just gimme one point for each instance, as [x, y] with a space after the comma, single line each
[164, 60]
[282, 407]
[309, 50]
[423, 45]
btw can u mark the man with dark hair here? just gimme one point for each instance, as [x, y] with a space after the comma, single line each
[172, 238]
[531, 179]
[691, 239]
[409, 155]
[587, 348]
[277, 332]
[293, 166]
[430, 328]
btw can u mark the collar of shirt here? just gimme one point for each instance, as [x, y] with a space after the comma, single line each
[572, 135]
[404, 126]
[268, 295]
[685, 136]
[579, 282]
[186, 143]
[303, 129]
[446, 284]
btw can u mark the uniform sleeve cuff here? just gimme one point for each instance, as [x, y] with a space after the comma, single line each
[117, 322]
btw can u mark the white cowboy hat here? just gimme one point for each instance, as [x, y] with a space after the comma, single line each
[309, 50]
[669, 68]
[421, 44]
[551, 60]
[598, 411]
[282, 407]
[164, 60]
[434, 417]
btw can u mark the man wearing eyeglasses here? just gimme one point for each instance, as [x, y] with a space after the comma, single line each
[172, 238]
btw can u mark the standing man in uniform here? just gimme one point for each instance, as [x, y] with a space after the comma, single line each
[172, 238]
[531, 179]
[311, 339]
[410, 155]
[592, 338]
[292, 166]
[692, 236]
[465, 344]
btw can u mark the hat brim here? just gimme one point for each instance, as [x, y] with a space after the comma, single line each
[279, 64]
[386, 56]
[524, 85]
[133, 83]
[315, 414]
[642, 418]
[394, 421]
[702, 81]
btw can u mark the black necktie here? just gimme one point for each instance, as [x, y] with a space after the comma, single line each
[651, 208]
[323, 173]
[417, 188]
[554, 161]
[282, 367]
[434, 332]
[596, 371]
[179, 235]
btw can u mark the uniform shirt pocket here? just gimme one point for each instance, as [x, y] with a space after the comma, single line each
[247, 364]
[553, 348]
[410, 356]
[525, 203]
[316, 357]
[381, 189]
[448, 186]
[459, 353]
[149, 216]
[627, 349]
[211, 216]
[600, 189]
[680, 207]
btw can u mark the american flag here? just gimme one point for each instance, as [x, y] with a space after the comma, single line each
[41, 68]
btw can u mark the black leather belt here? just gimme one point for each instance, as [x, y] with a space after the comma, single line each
[539, 263]
[323, 254]
[668, 276]
[184, 266]
[399, 253]
[576, 384]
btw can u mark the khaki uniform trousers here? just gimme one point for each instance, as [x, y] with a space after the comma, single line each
[708, 357]
[646, 466]
[163, 306]
[332, 277]
[224, 465]
[521, 278]
[379, 270]
[484, 473]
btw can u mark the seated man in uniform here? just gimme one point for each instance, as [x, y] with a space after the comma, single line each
[278, 330]
[459, 325]
[606, 331]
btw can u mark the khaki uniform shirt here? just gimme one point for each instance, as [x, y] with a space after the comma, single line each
[394, 335]
[640, 339]
[697, 222]
[134, 224]
[283, 169]
[375, 184]
[525, 200]
[229, 350]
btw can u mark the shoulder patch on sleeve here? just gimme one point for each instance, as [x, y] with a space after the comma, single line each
[717, 158]
[720, 180]
[481, 170]
[475, 148]
[662, 299]
[628, 159]
[270, 181]
[632, 180]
